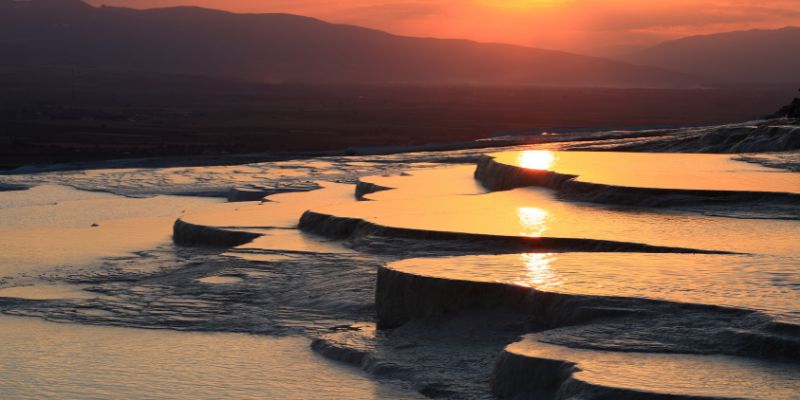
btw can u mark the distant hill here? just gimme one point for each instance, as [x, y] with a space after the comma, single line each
[285, 48]
[755, 56]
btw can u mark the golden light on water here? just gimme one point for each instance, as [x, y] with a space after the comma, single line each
[533, 221]
[536, 159]
[538, 271]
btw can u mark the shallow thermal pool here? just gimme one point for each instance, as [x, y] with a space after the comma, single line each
[657, 170]
[536, 212]
[51, 360]
[741, 281]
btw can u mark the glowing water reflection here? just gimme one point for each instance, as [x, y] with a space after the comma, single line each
[533, 221]
[538, 271]
[536, 159]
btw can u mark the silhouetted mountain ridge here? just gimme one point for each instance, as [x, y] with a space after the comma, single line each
[286, 48]
[753, 56]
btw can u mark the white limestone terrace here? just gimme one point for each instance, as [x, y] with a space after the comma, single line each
[708, 182]
[752, 282]
[533, 369]
[611, 326]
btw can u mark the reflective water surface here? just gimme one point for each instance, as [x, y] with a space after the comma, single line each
[56, 226]
[52, 360]
[280, 211]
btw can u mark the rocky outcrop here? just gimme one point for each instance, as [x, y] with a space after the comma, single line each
[791, 110]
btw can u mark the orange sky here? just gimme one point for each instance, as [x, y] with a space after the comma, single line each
[583, 26]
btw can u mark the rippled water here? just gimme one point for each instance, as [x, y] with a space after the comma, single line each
[47, 360]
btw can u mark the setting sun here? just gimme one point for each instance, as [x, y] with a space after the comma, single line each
[536, 159]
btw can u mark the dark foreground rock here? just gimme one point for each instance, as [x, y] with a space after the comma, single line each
[791, 110]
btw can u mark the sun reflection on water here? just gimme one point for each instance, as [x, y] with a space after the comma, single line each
[533, 221]
[536, 159]
[538, 272]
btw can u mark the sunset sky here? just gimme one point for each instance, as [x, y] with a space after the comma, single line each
[585, 26]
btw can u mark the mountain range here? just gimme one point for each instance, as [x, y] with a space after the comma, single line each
[284, 48]
[756, 56]
[279, 48]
